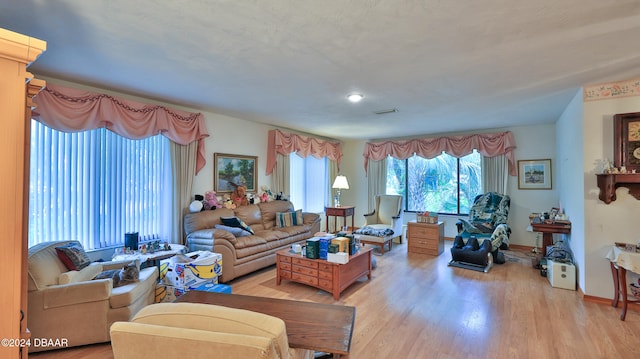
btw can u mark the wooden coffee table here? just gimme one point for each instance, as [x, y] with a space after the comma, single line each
[320, 327]
[319, 273]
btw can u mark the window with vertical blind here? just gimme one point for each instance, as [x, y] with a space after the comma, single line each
[308, 182]
[95, 186]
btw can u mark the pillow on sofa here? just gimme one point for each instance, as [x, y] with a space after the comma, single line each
[236, 231]
[85, 274]
[73, 256]
[236, 222]
[288, 219]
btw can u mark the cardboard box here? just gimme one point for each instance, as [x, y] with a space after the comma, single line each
[313, 248]
[214, 288]
[343, 244]
[191, 270]
[561, 275]
[324, 248]
[340, 257]
[167, 293]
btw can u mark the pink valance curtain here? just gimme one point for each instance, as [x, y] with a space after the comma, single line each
[285, 143]
[73, 110]
[487, 144]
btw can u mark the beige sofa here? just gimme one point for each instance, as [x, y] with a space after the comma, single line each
[65, 304]
[194, 330]
[245, 254]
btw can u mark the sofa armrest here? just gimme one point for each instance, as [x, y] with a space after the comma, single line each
[128, 340]
[310, 218]
[76, 293]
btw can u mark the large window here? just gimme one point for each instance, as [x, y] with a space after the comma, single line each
[95, 186]
[444, 184]
[308, 182]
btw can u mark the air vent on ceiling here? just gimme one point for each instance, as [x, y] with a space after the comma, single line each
[384, 112]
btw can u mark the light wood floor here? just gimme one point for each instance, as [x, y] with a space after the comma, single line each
[416, 306]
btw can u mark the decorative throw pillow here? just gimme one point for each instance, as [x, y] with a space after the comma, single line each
[288, 219]
[236, 231]
[236, 222]
[73, 256]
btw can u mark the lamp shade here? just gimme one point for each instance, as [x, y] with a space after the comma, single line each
[340, 182]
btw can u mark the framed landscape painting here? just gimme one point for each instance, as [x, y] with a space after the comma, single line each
[230, 171]
[534, 174]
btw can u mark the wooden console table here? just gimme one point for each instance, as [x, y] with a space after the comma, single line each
[322, 274]
[320, 327]
[335, 212]
[547, 230]
[620, 261]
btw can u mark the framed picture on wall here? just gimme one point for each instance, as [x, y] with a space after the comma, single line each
[534, 174]
[230, 171]
[626, 141]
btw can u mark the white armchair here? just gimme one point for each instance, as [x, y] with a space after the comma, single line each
[384, 223]
[68, 304]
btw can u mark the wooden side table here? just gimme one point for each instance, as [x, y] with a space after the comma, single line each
[547, 230]
[335, 212]
[620, 262]
[425, 238]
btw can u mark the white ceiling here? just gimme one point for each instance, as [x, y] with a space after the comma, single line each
[446, 65]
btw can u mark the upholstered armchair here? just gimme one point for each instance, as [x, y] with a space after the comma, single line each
[487, 221]
[64, 303]
[195, 330]
[384, 223]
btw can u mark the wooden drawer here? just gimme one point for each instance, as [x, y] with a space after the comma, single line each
[423, 243]
[325, 267]
[285, 259]
[325, 275]
[305, 262]
[284, 265]
[304, 270]
[326, 284]
[421, 250]
[285, 274]
[424, 231]
[304, 279]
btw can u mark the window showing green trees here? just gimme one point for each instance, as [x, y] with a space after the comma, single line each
[444, 184]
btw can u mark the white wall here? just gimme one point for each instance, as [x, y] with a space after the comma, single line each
[532, 142]
[604, 224]
[571, 168]
[234, 136]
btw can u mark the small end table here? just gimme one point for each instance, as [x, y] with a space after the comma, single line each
[547, 230]
[342, 211]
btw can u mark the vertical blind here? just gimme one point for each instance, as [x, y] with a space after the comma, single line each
[308, 182]
[95, 186]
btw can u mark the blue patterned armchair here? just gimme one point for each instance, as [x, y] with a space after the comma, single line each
[487, 222]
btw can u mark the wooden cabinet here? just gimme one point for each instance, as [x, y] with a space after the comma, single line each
[425, 238]
[17, 87]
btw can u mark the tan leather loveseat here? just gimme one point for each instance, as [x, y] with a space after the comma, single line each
[195, 330]
[69, 305]
[245, 254]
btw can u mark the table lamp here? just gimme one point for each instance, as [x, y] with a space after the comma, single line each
[340, 183]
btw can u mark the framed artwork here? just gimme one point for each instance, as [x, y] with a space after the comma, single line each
[626, 141]
[230, 171]
[553, 213]
[534, 174]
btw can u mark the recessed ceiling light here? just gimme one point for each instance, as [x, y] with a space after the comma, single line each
[355, 97]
